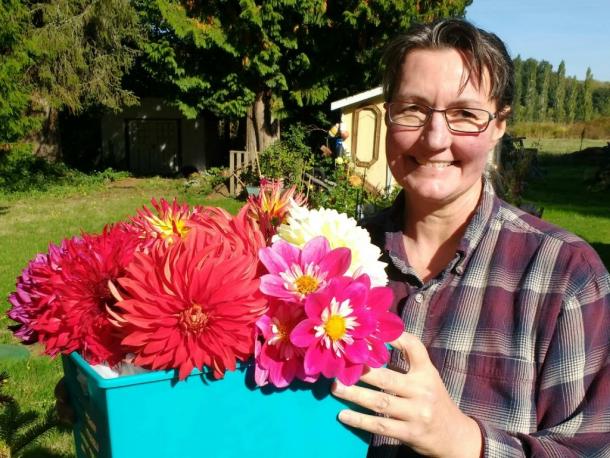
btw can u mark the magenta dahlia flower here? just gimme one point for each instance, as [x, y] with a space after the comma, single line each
[33, 292]
[341, 324]
[80, 316]
[277, 359]
[295, 273]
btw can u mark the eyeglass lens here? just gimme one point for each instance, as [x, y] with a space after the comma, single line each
[458, 119]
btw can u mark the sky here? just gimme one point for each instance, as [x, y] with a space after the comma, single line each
[576, 31]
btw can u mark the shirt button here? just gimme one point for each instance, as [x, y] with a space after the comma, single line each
[459, 270]
[419, 298]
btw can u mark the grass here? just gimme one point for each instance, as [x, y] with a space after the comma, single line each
[563, 190]
[562, 145]
[27, 225]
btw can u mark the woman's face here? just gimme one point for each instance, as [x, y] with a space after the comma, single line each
[431, 162]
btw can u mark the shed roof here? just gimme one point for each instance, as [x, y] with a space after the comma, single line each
[357, 98]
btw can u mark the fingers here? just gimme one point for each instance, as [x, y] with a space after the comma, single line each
[376, 425]
[387, 380]
[380, 402]
[413, 350]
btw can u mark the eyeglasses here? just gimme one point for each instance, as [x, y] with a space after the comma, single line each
[464, 120]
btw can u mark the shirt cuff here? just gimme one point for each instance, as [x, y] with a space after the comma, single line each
[498, 443]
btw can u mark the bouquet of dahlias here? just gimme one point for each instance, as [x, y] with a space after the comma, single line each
[299, 292]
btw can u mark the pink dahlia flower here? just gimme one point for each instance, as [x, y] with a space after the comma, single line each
[340, 326]
[195, 303]
[277, 359]
[79, 319]
[294, 273]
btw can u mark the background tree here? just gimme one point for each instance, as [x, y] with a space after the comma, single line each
[81, 50]
[559, 93]
[270, 60]
[586, 97]
[530, 91]
[517, 104]
[601, 100]
[543, 81]
[572, 89]
[15, 121]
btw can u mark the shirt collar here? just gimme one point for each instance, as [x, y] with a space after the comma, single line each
[477, 227]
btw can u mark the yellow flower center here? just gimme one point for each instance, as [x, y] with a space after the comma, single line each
[193, 319]
[335, 327]
[306, 284]
[169, 227]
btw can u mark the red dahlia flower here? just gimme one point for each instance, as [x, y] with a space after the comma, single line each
[79, 318]
[195, 303]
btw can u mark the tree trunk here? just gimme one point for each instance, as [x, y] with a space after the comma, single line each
[261, 129]
[47, 140]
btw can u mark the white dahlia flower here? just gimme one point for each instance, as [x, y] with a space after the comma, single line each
[340, 230]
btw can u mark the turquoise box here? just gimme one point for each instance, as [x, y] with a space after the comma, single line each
[153, 415]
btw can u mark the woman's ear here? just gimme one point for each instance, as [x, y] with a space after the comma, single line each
[500, 122]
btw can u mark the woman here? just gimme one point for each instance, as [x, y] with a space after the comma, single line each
[507, 318]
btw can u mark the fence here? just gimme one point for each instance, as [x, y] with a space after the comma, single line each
[239, 161]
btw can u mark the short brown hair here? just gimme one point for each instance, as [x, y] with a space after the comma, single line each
[481, 50]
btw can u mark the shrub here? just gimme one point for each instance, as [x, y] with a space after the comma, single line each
[288, 159]
[207, 181]
[21, 172]
[348, 193]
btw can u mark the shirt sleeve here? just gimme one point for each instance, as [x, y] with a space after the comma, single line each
[573, 388]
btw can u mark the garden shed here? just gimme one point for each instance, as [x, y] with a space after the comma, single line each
[153, 138]
[363, 115]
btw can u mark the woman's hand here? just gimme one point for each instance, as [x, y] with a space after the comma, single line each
[417, 409]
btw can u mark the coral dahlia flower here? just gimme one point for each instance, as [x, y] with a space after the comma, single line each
[194, 304]
[80, 317]
[168, 224]
[340, 230]
[270, 208]
[340, 326]
[294, 273]
[277, 359]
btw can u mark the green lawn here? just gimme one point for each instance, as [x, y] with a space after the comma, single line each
[562, 145]
[27, 226]
[562, 189]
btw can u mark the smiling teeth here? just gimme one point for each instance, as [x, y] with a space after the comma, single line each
[435, 164]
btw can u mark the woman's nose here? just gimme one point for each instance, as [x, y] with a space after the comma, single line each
[436, 133]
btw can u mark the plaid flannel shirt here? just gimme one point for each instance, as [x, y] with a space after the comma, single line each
[517, 325]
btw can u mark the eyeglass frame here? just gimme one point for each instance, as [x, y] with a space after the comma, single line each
[432, 110]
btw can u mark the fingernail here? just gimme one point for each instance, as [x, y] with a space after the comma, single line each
[345, 415]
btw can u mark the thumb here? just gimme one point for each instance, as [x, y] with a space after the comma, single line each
[413, 350]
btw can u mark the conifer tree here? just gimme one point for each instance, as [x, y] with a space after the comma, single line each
[267, 59]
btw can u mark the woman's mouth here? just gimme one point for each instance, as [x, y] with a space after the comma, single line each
[435, 164]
